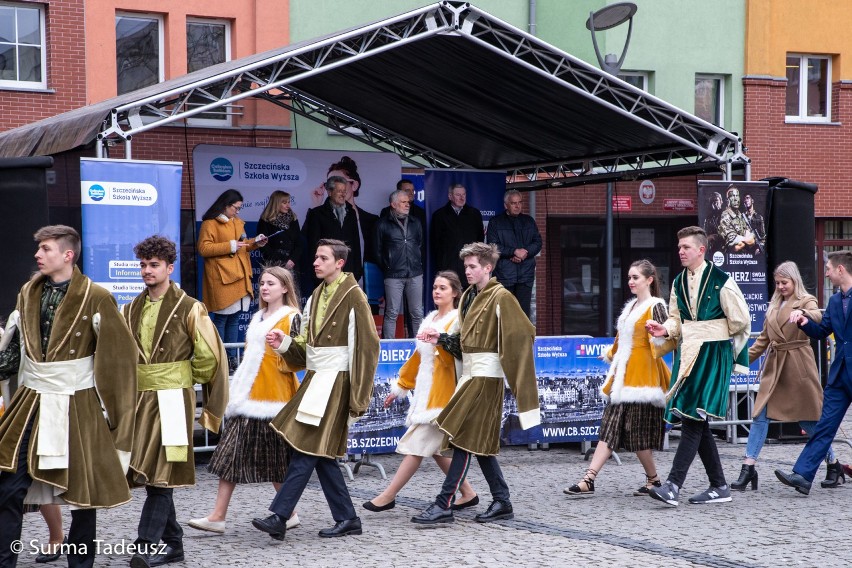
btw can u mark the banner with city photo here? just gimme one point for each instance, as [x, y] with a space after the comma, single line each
[733, 214]
[122, 202]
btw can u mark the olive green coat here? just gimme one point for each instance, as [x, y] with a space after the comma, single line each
[95, 476]
[494, 323]
[180, 319]
[348, 313]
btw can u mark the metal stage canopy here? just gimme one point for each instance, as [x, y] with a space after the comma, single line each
[443, 86]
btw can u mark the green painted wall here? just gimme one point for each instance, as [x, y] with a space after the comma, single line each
[672, 39]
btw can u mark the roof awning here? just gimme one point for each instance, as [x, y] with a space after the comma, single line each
[446, 85]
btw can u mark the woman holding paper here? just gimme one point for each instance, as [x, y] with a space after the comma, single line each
[281, 227]
[249, 450]
[431, 372]
[226, 288]
[636, 384]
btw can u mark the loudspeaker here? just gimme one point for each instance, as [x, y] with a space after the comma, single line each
[790, 229]
[23, 195]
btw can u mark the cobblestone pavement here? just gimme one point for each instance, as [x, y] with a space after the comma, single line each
[774, 526]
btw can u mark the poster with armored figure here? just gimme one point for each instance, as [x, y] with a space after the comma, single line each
[733, 214]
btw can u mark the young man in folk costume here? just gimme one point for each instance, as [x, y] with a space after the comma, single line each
[66, 436]
[178, 346]
[340, 349]
[710, 320]
[495, 344]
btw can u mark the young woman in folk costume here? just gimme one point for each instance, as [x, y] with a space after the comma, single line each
[431, 372]
[636, 384]
[249, 450]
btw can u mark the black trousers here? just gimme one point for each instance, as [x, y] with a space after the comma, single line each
[13, 489]
[523, 293]
[696, 438]
[330, 478]
[458, 471]
[158, 521]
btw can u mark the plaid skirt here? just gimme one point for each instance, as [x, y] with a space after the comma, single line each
[249, 451]
[633, 426]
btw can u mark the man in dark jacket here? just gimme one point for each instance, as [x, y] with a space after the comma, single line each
[399, 237]
[453, 226]
[336, 219]
[517, 237]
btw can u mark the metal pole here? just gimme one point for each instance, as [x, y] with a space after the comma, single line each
[608, 261]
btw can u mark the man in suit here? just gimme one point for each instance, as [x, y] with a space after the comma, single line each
[336, 219]
[453, 226]
[838, 392]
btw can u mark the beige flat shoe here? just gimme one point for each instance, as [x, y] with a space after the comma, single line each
[203, 524]
[293, 522]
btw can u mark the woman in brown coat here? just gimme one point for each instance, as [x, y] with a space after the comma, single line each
[226, 288]
[789, 383]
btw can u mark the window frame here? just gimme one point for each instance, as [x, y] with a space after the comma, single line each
[211, 122]
[161, 33]
[16, 84]
[803, 117]
[644, 75]
[720, 122]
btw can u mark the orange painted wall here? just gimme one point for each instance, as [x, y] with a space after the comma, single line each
[777, 27]
[256, 26]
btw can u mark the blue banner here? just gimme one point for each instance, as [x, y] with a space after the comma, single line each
[569, 371]
[122, 203]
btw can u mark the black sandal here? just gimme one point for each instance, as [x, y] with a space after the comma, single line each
[650, 481]
[588, 480]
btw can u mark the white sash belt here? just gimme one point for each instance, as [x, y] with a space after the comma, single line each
[326, 363]
[480, 365]
[55, 382]
[694, 334]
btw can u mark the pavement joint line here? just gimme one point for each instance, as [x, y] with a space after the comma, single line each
[700, 558]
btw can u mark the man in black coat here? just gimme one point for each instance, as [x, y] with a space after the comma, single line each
[399, 239]
[336, 219]
[453, 226]
[517, 237]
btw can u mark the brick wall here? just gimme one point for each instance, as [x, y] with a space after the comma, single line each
[815, 153]
[65, 69]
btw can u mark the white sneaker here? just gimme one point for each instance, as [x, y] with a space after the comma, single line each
[293, 522]
[204, 524]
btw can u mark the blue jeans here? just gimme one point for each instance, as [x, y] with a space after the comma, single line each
[228, 326]
[759, 428]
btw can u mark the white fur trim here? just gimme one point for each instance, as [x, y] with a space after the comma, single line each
[418, 412]
[626, 322]
[398, 391]
[530, 418]
[240, 404]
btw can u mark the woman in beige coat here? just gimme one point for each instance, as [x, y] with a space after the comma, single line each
[790, 390]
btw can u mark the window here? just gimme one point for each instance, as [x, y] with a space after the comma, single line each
[208, 42]
[638, 79]
[710, 98]
[138, 51]
[22, 46]
[808, 88]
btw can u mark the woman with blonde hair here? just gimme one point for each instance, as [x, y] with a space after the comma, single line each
[249, 450]
[790, 389]
[281, 226]
[636, 384]
[431, 372]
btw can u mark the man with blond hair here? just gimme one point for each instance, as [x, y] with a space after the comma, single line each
[495, 345]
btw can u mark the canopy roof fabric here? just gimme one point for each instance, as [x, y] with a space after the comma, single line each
[446, 85]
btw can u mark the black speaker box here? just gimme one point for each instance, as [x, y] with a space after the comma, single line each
[790, 229]
[23, 194]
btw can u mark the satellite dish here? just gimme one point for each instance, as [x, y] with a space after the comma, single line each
[607, 18]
